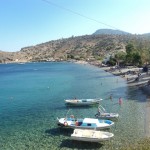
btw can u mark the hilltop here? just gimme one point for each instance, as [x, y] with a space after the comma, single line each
[111, 32]
[93, 47]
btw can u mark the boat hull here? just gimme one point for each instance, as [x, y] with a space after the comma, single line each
[109, 116]
[88, 139]
[91, 135]
[82, 102]
[86, 123]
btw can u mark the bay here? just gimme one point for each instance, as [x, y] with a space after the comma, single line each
[32, 97]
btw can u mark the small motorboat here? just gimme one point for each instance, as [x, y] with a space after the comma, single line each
[85, 123]
[82, 102]
[102, 114]
[91, 135]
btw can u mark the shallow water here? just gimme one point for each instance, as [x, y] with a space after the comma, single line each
[32, 97]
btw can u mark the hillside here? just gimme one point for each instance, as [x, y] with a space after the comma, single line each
[87, 47]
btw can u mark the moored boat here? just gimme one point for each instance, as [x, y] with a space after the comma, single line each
[82, 102]
[85, 123]
[102, 114]
[91, 135]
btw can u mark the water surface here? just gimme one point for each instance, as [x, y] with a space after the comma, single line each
[32, 97]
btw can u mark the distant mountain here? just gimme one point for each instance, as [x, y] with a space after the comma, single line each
[111, 32]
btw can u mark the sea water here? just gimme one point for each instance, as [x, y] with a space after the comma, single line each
[32, 97]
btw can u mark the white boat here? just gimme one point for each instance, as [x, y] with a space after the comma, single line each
[82, 102]
[91, 135]
[102, 114]
[85, 123]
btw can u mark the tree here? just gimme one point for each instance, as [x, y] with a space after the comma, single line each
[112, 61]
[136, 59]
[145, 56]
[120, 57]
[128, 59]
[129, 48]
[133, 56]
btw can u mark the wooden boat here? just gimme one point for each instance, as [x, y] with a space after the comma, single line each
[82, 102]
[85, 123]
[102, 114]
[91, 135]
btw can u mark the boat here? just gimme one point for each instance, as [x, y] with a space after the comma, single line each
[82, 102]
[102, 114]
[84, 123]
[91, 135]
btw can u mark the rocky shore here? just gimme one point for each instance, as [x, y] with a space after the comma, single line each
[133, 75]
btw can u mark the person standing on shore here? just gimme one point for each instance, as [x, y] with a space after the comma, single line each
[111, 97]
[120, 101]
[148, 83]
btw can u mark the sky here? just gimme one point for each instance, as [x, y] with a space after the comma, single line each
[26, 23]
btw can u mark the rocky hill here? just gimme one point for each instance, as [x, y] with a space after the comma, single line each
[111, 32]
[88, 47]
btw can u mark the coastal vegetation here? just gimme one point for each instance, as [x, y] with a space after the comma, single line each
[132, 56]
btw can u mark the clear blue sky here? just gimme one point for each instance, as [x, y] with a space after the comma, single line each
[29, 22]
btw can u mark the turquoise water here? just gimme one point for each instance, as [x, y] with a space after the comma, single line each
[32, 97]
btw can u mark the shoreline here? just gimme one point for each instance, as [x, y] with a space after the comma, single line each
[130, 74]
[133, 75]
